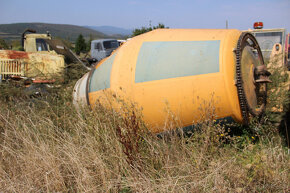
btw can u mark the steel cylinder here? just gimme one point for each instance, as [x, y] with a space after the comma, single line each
[171, 73]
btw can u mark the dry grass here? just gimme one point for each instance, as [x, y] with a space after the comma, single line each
[45, 145]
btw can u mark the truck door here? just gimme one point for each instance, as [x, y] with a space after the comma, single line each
[97, 51]
[102, 51]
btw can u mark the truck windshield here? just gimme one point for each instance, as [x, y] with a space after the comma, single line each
[111, 44]
[41, 45]
[267, 40]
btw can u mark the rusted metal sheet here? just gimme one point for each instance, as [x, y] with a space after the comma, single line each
[11, 54]
[59, 47]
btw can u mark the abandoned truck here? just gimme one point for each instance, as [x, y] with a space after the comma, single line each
[274, 47]
[170, 72]
[41, 61]
[102, 48]
[271, 40]
[37, 62]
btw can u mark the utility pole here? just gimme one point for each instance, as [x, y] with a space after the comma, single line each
[227, 24]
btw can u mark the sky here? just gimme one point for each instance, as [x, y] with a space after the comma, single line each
[130, 14]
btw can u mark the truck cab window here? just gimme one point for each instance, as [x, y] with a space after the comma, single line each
[41, 45]
[98, 46]
[111, 44]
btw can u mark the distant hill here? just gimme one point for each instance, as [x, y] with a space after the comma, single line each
[111, 30]
[65, 31]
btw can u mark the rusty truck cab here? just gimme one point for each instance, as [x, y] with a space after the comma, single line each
[32, 42]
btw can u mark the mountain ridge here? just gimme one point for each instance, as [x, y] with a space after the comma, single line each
[111, 30]
[69, 32]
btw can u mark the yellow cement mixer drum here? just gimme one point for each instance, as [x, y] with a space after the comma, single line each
[173, 71]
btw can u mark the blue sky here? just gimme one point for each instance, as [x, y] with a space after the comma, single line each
[136, 13]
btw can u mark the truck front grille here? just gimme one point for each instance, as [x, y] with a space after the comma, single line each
[11, 67]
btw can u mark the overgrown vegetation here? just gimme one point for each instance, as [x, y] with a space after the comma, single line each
[47, 145]
[139, 31]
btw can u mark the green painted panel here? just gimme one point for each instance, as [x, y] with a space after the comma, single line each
[163, 60]
[101, 76]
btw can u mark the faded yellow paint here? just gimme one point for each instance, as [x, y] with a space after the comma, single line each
[30, 42]
[37, 65]
[45, 65]
[180, 96]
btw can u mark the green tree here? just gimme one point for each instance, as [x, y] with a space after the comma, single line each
[3, 44]
[89, 43]
[80, 44]
[142, 30]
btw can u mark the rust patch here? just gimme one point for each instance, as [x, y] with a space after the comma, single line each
[17, 54]
[40, 81]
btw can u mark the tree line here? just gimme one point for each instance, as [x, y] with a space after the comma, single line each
[82, 46]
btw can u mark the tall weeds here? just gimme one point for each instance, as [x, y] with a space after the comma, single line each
[48, 146]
